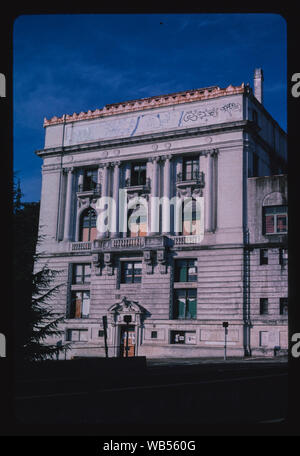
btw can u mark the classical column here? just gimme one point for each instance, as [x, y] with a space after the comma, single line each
[215, 188]
[115, 208]
[154, 206]
[68, 205]
[166, 195]
[104, 193]
[210, 191]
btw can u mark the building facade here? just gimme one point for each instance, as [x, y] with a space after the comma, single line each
[160, 279]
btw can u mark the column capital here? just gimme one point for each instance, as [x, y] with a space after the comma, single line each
[209, 153]
[167, 157]
[69, 169]
[104, 165]
[154, 159]
[116, 163]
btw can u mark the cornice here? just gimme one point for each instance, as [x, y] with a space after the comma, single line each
[187, 96]
[142, 139]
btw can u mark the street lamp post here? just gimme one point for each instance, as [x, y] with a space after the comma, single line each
[225, 326]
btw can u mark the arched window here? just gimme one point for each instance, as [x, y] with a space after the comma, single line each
[190, 218]
[88, 229]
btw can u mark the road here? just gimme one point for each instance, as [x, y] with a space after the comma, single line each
[166, 393]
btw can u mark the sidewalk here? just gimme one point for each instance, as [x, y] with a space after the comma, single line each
[196, 361]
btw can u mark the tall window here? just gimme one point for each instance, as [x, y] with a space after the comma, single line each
[88, 229]
[131, 272]
[80, 304]
[137, 222]
[90, 179]
[190, 169]
[263, 306]
[190, 218]
[185, 271]
[81, 273]
[263, 256]
[185, 304]
[275, 219]
[138, 174]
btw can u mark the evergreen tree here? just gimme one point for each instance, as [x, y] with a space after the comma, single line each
[34, 319]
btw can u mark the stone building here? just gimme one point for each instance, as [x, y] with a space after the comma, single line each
[163, 284]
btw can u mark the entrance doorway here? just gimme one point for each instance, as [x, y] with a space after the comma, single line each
[131, 341]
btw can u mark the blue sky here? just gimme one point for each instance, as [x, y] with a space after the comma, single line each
[72, 63]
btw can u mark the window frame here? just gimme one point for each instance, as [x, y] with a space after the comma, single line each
[90, 182]
[134, 275]
[275, 215]
[262, 309]
[138, 177]
[178, 269]
[92, 223]
[263, 259]
[73, 307]
[283, 302]
[176, 310]
[194, 168]
[83, 275]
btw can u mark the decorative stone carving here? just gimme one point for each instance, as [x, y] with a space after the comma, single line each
[148, 259]
[162, 261]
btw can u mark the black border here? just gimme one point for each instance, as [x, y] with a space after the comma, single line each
[8, 426]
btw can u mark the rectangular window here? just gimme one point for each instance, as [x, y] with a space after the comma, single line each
[190, 169]
[185, 304]
[185, 271]
[90, 179]
[263, 306]
[153, 334]
[263, 256]
[183, 337]
[283, 306]
[138, 174]
[283, 257]
[80, 304]
[131, 272]
[81, 273]
[77, 335]
[275, 219]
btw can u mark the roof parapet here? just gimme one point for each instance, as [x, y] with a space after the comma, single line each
[148, 103]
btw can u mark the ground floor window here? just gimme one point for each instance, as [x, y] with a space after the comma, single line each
[185, 304]
[77, 335]
[183, 337]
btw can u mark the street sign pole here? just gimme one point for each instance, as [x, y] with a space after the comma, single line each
[225, 326]
[104, 319]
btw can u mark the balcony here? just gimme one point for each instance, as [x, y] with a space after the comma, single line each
[80, 246]
[92, 191]
[142, 185]
[193, 178]
[130, 243]
[187, 240]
